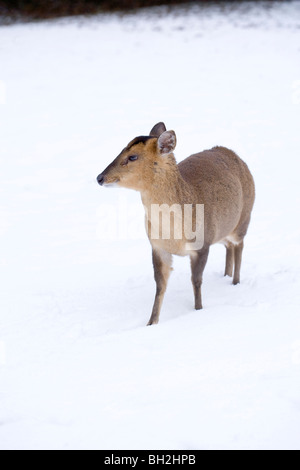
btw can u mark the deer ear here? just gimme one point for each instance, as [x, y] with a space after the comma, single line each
[158, 129]
[166, 142]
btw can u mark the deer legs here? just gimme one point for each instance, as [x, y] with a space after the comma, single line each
[238, 250]
[162, 263]
[229, 259]
[234, 259]
[198, 263]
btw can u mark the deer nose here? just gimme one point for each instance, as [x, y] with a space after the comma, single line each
[100, 179]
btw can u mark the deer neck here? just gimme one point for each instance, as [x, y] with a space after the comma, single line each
[167, 185]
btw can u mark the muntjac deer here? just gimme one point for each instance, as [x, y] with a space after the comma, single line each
[216, 180]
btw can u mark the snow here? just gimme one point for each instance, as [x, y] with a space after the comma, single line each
[78, 367]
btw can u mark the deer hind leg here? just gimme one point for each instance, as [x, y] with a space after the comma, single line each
[239, 235]
[238, 250]
[162, 263]
[198, 263]
[229, 259]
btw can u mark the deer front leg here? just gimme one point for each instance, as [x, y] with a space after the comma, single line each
[198, 263]
[162, 263]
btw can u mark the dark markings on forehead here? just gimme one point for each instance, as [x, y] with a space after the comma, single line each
[142, 139]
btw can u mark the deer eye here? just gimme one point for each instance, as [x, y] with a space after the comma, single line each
[133, 158]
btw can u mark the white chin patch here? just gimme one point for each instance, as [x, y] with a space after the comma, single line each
[111, 185]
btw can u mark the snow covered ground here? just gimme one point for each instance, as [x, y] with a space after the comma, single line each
[78, 367]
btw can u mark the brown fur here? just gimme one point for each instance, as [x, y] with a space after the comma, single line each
[217, 178]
